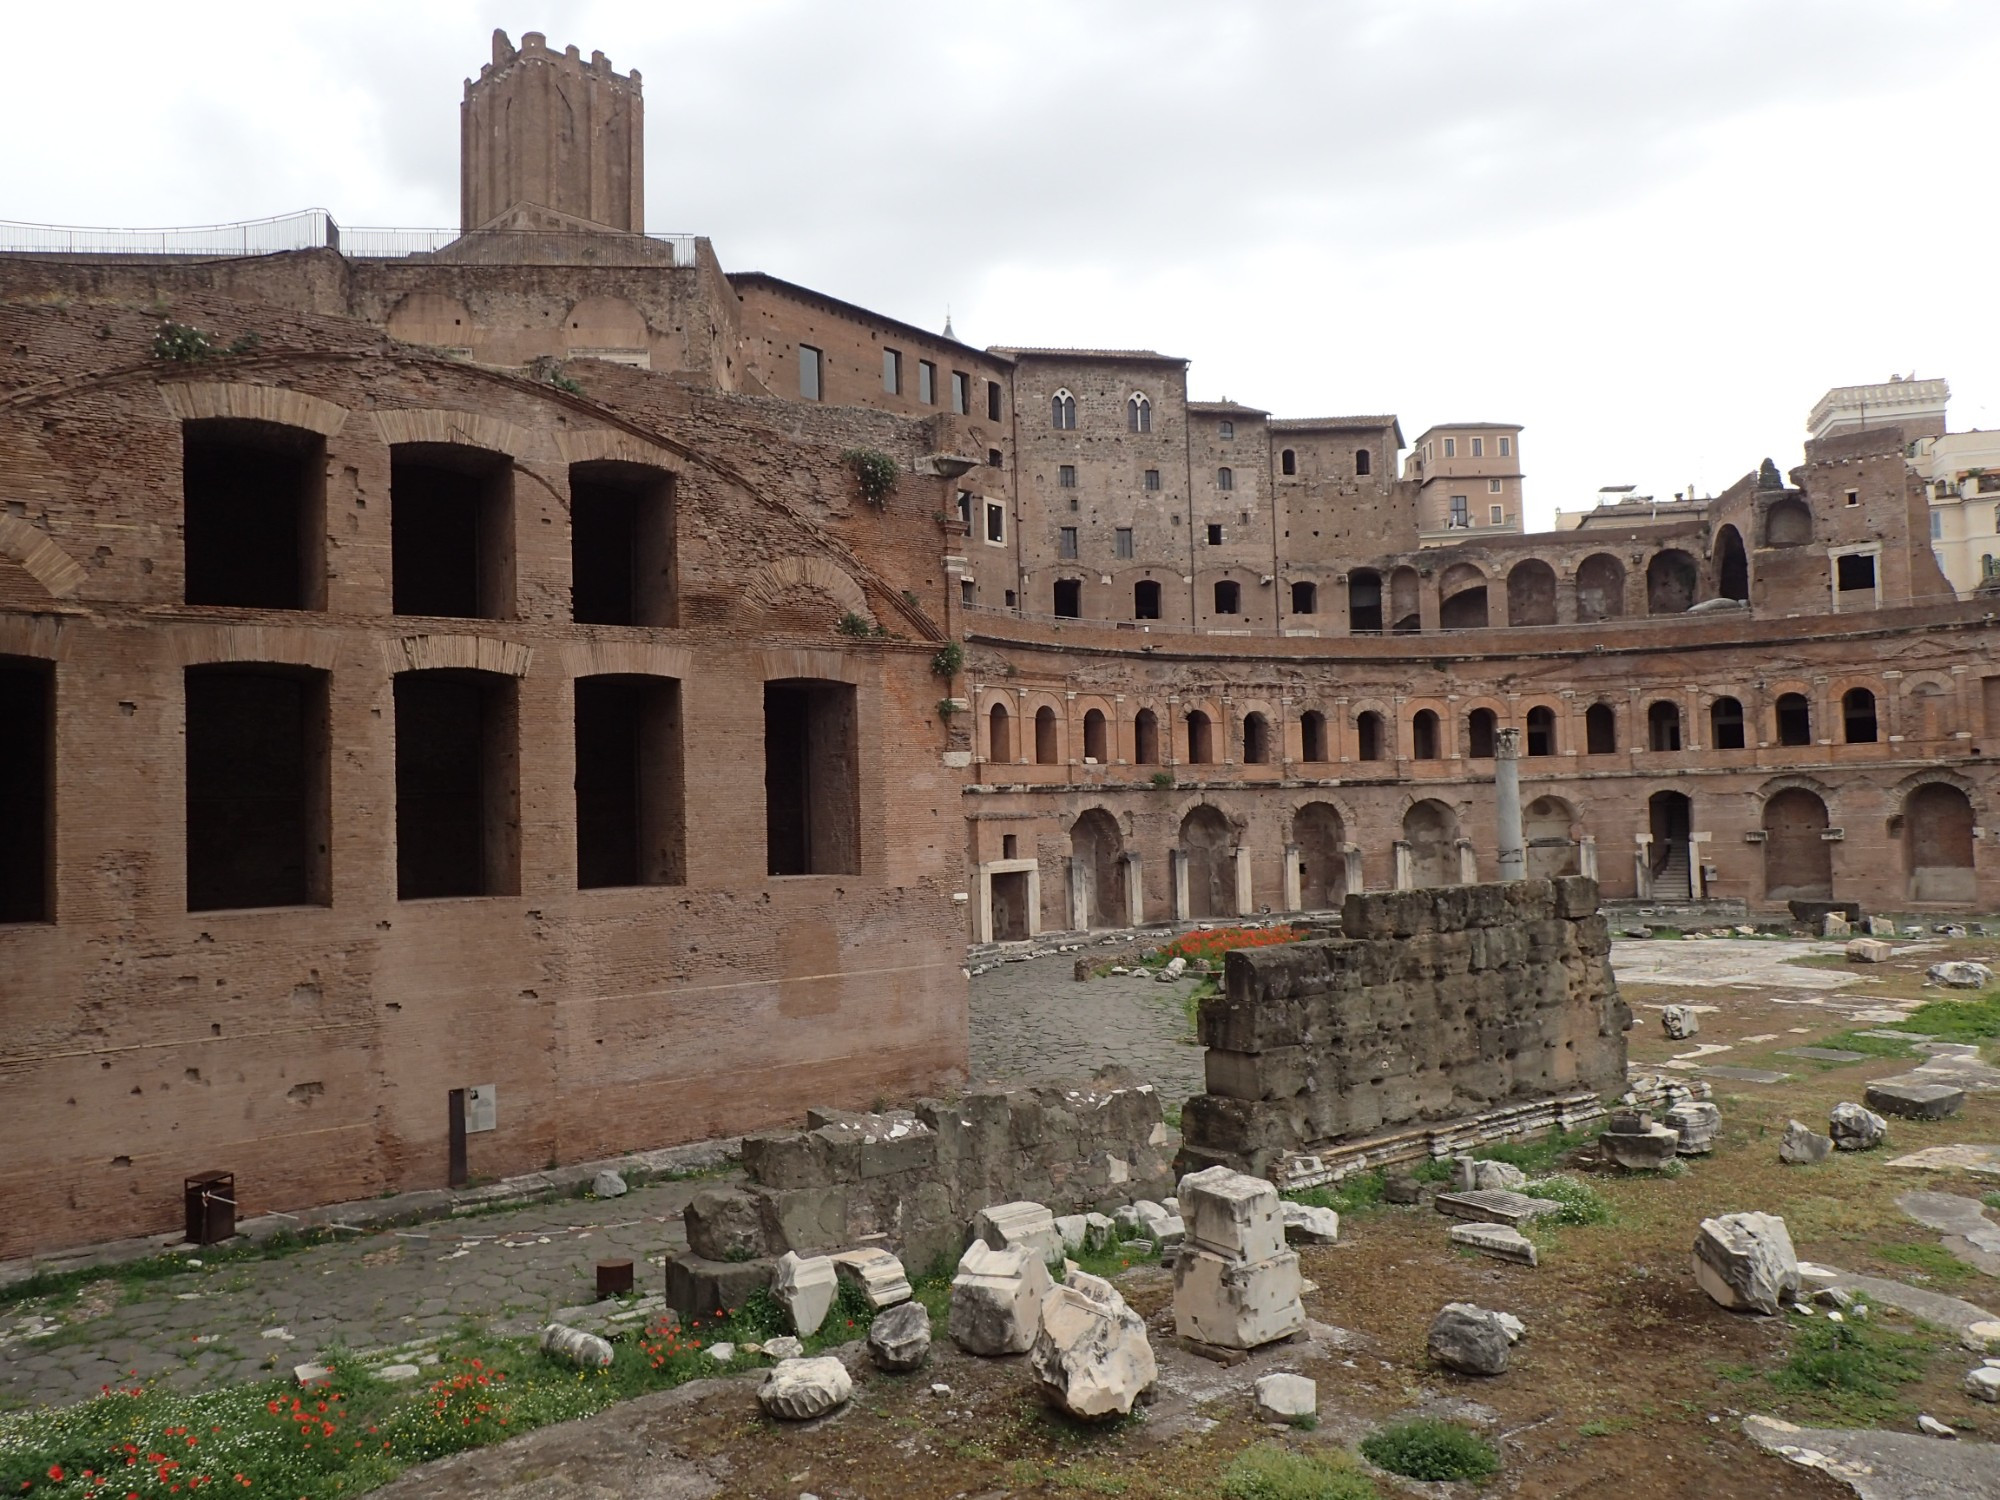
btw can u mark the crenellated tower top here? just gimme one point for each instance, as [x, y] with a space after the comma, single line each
[547, 130]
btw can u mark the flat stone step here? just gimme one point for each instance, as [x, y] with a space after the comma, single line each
[1744, 1075]
[1498, 1240]
[1914, 1097]
[1823, 1054]
[1495, 1205]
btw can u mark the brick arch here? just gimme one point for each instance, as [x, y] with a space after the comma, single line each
[1349, 818]
[477, 653]
[464, 428]
[1795, 782]
[192, 401]
[38, 553]
[1899, 794]
[205, 644]
[626, 659]
[784, 579]
[605, 444]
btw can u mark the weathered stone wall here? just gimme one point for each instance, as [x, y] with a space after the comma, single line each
[916, 1177]
[1437, 1004]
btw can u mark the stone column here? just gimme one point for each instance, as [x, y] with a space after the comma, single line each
[1642, 866]
[1357, 878]
[1294, 884]
[1177, 873]
[1468, 863]
[1135, 892]
[1586, 855]
[1406, 877]
[1511, 842]
[1079, 895]
[1244, 897]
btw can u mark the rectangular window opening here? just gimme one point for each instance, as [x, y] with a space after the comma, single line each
[1479, 447]
[1066, 545]
[254, 496]
[1506, 447]
[927, 382]
[811, 779]
[1122, 541]
[1215, 536]
[27, 743]
[996, 522]
[992, 400]
[451, 532]
[258, 795]
[458, 813]
[1855, 572]
[1152, 479]
[631, 823]
[621, 545]
[892, 372]
[961, 393]
[1066, 476]
[812, 370]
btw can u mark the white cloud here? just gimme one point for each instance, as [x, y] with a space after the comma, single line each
[1652, 233]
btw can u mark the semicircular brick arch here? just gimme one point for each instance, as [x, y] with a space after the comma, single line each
[470, 653]
[604, 444]
[1898, 794]
[437, 425]
[199, 400]
[1779, 784]
[783, 580]
[38, 553]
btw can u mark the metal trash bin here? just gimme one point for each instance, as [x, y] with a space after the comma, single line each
[211, 1207]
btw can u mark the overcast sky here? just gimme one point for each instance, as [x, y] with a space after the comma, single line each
[1652, 233]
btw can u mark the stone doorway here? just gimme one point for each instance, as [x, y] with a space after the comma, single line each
[1321, 839]
[1798, 862]
[1211, 872]
[1096, 846]
[1670, 818]
[1431, 831]
[1010, 907]
[1549, 824]
[1937, 844]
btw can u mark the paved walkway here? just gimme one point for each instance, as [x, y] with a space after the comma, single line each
[1032, 1022]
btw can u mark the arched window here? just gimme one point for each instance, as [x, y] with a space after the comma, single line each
[1857, 716]
[1312, 736]
[1200, 739]
[1725, 724]
[1256, 740]
[1093, 737]
[1794, 719]
[1600, 730]
[1045, 736]
[1368, 735]
[1225, 479]
[1146, 599]
[1062, 411]
[1541, 731]
[1479, 730]
[999, 735]
[1225, 429]
[1363, 460]
[1139, 414]
[1424, 735]
[1663, 725]
[1305, 598]
[1288, 462]
[1146, 738]
[1228, 598]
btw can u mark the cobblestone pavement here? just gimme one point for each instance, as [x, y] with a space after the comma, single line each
[1032, 1022]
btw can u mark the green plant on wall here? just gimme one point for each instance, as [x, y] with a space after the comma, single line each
[947, 709]
[188, 345]
[874, 473]
[949, 659]
[1162, 780]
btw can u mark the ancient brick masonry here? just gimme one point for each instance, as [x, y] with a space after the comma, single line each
[1436, 1004]
[915, 1179]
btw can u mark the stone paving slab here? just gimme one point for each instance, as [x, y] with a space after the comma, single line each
[1742, 1075]
[1726, 962]
[1885, 1465]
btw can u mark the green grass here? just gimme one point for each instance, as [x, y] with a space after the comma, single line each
[1932, 1261]
[1536, 1157]
[1269, 1472]
[1356, 1193]
[1955, 1020]
[1426, 1448]
[1853, 1371]
[362, 1431]
[1581, 1203]
[1820, 960]
[1873, 1046]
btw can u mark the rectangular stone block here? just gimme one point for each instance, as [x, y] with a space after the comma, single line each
[1576, 896]
[1232, 1214]
[1237, 1304]
[698, 1288]
[803, 1219]
[1279, 1073]
[782, 1159]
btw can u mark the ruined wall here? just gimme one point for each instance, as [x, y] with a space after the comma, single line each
[917, 1177]
[1436, 1004]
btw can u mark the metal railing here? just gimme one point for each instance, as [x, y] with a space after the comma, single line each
[316, 229]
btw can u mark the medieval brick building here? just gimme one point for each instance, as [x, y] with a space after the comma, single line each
[465, 661]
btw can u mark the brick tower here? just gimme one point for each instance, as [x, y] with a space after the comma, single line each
[547, 131]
